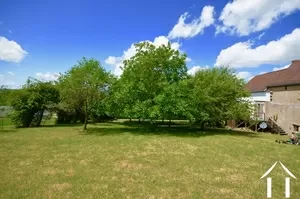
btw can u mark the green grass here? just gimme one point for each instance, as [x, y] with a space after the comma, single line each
[114, 160]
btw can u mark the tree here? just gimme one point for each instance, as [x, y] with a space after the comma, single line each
[145, 77]
[216, 95]
[173, 103]
[83, 87]
[30, 102]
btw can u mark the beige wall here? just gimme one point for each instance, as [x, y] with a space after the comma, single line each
[286, 104]
[288, 94]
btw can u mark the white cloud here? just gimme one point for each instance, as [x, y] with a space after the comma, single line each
[197, 26]
[281, 68]
[195, 69]
[263, 72]
[188, 59]
[11, 51]
[48, 76]
[261, 35]
[112, 60]
[243, 17]
[117, 62]
[11, 73]
[244, 75]
[242, 54]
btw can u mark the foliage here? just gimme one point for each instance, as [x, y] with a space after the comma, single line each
[154, 85]
[146, 76]
[83, 88]
[30, 102]
[216, 95]
[173, 102]
[6, 95]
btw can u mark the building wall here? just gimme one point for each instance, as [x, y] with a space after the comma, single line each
[286, 105]
[259, 99]
[260, 96]
[286, 94]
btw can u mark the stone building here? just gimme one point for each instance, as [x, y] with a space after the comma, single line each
[277, 95]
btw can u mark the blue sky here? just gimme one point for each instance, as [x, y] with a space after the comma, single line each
[42, 38]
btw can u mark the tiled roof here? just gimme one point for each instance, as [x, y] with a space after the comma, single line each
[288, 76]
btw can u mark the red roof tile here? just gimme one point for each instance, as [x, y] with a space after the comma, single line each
[288, 76]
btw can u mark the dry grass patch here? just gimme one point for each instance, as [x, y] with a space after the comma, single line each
[116, 161]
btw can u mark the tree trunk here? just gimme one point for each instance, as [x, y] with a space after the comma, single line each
[26, 122]
[40, 119]
[130, 119]
[163, 121]
[85, 116]
[169, 123]
[139, 121]
[202, 125]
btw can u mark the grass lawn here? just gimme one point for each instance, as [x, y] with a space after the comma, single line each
[115, 160]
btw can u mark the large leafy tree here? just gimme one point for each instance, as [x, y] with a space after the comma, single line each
[216, 95]
[84, 87]
[30, 103]
[146, 76]
[173, 102]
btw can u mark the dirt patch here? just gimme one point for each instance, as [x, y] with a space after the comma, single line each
[191, 148]
[125, 164]
[236, 178]
[70, 172]
[61, 187]
[221, 170]
[218, 179]
[225, 191]
[50, 172]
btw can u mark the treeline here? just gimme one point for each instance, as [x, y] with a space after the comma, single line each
[154, 85]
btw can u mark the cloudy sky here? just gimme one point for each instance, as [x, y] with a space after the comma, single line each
[43, 38]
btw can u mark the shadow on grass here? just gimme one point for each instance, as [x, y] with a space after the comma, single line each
[179, 130]
[8, 130]
[61, 125]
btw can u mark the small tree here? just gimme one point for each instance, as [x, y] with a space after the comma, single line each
[30, 102]
[83, 87]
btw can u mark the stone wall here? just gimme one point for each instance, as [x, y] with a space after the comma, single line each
[286, 94]
[286, 105]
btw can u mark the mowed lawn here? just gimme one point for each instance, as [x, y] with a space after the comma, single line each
[120, 161]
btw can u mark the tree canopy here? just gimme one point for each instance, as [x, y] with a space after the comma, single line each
[31, 102]
[83, 87]
[145, 78]
[154, 85]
